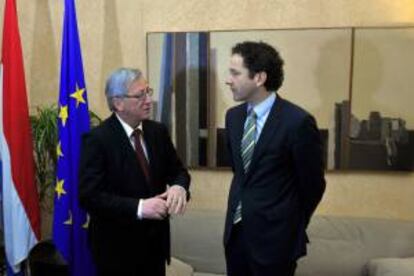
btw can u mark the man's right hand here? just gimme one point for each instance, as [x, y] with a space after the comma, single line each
[154, 208]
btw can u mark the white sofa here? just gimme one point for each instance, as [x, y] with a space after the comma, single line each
[339, 246]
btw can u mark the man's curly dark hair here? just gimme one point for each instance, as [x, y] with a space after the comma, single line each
[261, 57]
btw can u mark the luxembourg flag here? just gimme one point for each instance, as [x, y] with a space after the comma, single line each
[20, 205]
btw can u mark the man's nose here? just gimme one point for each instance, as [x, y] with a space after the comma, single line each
[148, 99]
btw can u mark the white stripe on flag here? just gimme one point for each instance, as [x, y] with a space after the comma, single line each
[19, 237]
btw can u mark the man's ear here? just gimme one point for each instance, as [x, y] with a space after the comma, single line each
[260, 78]
[118, 104]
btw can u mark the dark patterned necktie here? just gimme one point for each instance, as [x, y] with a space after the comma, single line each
[247, 148]
[139, 151]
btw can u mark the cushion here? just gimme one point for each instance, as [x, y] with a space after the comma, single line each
[332, 258]
[197, 239]
[179, 268]
[391, 267]
[347, 244]
[379, 238]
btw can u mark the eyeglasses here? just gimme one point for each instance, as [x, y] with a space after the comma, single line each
[146, 92]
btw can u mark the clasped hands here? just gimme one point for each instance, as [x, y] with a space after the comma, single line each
[171, 202]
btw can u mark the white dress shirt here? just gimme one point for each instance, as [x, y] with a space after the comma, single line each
[129, 132]
[262, 111]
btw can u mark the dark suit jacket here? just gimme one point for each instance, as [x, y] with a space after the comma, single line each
[111, 182]
[283, 186]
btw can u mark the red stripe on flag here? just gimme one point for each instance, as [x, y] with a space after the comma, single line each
[16, 118]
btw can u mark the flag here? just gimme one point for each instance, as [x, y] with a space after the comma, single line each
[70, 222]
[21, 212]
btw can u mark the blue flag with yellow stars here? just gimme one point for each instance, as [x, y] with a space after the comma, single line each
[70, 223]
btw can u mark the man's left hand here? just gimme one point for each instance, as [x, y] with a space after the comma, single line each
[176, 200]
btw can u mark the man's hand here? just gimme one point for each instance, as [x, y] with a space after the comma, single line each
[176, 199]
[154, 208]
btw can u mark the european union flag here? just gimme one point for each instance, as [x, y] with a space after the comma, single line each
[70, 222]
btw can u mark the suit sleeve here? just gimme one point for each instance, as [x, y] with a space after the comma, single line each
[177, 174]
[228, 143]
[309, 165]
[93, 195]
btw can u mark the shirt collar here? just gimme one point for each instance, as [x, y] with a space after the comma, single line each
[128, 129]
[263, 107]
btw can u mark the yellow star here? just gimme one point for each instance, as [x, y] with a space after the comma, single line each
[78, 95]
[63, 114]
[59, 188]
[69, 221]
[59, 152]
[86, 224]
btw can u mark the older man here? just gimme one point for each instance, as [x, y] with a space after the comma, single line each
[131, 180]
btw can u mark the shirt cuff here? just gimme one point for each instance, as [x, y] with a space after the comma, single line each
[139, 211]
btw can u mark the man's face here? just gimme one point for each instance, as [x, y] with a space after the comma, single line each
[242, 86]
[136, 104]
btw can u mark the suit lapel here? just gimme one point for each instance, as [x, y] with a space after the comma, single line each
[149, 138]
[124, 142]
[268, 132]
[126, 147]
[238, 122]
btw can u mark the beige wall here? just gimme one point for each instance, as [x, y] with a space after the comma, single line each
[113, 34]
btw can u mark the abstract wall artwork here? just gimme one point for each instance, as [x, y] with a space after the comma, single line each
[357, 82]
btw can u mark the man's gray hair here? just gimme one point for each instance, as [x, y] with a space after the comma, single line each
[118, 83]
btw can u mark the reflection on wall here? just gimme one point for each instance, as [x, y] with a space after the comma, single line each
[324, 70]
